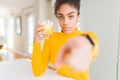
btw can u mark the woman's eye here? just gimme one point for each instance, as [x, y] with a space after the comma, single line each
[70, 17]
[60, 17]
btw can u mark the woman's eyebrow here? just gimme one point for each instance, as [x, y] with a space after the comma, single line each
[71, 13]
[67, 13]
[59, 13]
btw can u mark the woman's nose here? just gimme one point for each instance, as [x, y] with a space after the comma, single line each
[66, 21]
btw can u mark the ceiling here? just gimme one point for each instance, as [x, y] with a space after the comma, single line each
[11, 6]
[7, 6]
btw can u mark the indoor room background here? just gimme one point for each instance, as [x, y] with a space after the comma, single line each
[17, 25]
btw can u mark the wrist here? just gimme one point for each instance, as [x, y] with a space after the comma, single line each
[36, 40]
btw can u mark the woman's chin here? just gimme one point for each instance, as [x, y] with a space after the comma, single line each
[67, 31]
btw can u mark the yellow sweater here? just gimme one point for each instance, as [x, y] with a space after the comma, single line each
[40, 59]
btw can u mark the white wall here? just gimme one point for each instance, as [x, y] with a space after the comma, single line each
[20, 41]
[102, 17]
[43, 9]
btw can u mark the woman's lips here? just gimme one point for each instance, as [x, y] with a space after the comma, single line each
[66, 28]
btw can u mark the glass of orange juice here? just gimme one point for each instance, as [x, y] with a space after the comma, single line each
[48, 28]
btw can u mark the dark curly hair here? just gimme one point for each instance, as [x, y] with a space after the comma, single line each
[74, 3]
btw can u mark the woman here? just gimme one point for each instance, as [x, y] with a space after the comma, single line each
[67, 13]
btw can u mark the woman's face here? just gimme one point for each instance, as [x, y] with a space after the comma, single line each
[67, 18]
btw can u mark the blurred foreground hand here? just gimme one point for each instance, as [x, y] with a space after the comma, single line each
[76, 53]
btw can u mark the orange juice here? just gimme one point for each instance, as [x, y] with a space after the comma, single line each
[48, 26]
[49, 29]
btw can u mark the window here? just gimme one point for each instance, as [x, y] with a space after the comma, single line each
[30, 27]
[2, 27]
[10, 38]
[18, 25]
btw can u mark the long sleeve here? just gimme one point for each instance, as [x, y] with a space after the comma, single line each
[95, 47]
[40, 58]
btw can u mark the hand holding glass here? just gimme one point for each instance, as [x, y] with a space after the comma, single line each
[45, 29]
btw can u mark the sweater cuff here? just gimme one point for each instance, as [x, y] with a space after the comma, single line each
[36, 44]
[90, 40]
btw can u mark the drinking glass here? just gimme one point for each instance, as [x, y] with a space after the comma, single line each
[48, 28]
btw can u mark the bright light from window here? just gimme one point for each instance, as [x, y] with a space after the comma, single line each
[30, 27]
[9, 24]
[2, 28]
